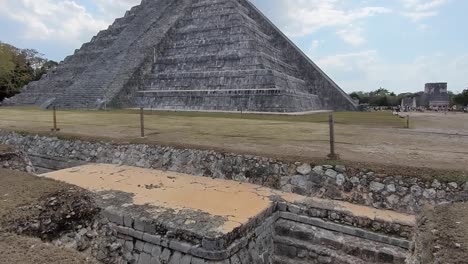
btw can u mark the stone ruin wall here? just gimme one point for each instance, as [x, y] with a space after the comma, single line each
[139, 244]
[286, 233]
[13, 159]
[395, 192]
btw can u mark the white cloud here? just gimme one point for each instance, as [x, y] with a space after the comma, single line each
[352, 35]
[303, 17]
[420, 9]
[315, 44]
[314, 47]
[423, 5]
[61, 24]
[112, 9]
[300, 18]
[52, 19]
[353, 61]
[366, 70]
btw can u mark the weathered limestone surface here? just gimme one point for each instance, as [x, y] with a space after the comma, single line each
[159, 217]
[400, 193]
[189, 55]
[299, 242]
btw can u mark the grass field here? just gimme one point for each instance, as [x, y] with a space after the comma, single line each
[435, 140]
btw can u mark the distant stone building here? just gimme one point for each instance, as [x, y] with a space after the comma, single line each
[436, 96]
[409, 103]
[221, 55]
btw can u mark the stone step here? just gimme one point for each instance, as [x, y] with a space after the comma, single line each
[184, 47]
[216, 30]
[216, 5]
[205, 64]
[245, 56]
[114, 67]
[150, 93]
[319, 260]
[185, 42]
[321, 241]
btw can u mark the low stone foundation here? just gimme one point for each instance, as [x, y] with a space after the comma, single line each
[160, 217]
[399, 193]
[395, 192]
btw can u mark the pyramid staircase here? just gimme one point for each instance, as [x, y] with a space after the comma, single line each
[189, 55]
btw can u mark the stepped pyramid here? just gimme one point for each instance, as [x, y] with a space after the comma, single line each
[222, 55]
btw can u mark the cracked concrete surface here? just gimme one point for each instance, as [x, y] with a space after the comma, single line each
[237, 203]
[199, 206]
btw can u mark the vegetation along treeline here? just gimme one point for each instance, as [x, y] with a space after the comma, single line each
[383, 97]
[18, 67]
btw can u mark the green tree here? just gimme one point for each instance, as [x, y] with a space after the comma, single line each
[462, 98]
[7, 68]
[363, 97]
[379, 97]
[18, 67]
[44, 69]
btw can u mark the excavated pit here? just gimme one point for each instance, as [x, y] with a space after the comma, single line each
[166, 217]
[118, 214]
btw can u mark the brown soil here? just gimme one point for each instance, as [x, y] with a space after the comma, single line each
[444, 234]
[6, 148]
[18, 190]
[17, 249]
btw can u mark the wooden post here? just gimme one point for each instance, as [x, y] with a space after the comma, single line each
[331, 122]
[54, 111]
[142, 122]
[407, 121]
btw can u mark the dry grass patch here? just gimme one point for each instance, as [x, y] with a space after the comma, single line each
[375, 137]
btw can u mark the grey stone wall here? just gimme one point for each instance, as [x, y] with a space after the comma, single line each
[400, 193]
[142, 247]
[290, 233]
[396, 192]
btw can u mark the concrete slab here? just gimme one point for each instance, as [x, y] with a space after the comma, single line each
[198, 208]
[226, 204]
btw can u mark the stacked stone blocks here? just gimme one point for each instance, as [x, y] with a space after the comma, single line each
[189, 55]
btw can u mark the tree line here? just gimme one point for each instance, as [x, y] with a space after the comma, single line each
[462, 98]
[18, 67]
[383, 97]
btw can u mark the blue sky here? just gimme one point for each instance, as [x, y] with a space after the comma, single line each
[361, 44]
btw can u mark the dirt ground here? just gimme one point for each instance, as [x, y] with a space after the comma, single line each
[435, 140]
[22, 250]
[18, 189]
[445, 234]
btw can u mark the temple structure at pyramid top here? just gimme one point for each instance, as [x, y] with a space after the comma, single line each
[220, 55]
